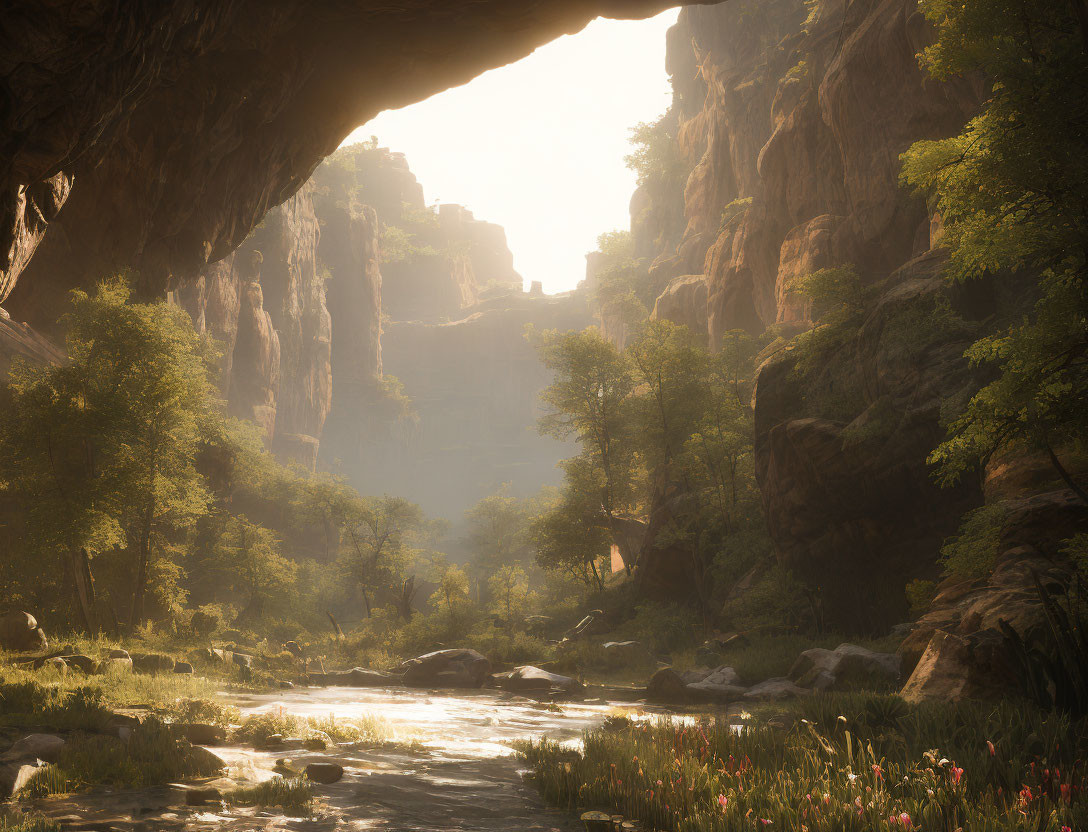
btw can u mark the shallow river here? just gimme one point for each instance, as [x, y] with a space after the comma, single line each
[459, 774]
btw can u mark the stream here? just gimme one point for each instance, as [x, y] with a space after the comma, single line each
[452, 769]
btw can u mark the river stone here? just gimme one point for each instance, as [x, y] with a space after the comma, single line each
[200, 733]
[597, 821]
[667, 686]
[202, 797]
[325, 773]
[20, 631]
[14, 776]
[357, 677]
[456, 668]
[527, 678]
[846, 667]
[774, 690]
[45, 747]
[722, 684]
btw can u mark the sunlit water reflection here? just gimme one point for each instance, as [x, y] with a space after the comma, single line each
[452, 768]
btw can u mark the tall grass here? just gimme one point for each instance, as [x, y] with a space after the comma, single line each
[26, 823]
[882, 766]
[151, 756]
[295, 796]
[367, 728]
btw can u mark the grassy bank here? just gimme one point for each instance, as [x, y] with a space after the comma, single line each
[850, 762]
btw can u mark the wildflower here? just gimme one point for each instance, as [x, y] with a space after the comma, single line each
[930, 792]
[905, 821]
[852, 777]
[993, 751]
[957, 774]
[723, 801]
[878, 771]
[659, 782]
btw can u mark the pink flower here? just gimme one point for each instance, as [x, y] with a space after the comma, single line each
[957, 773]
[905, 821]
[878, 771]
[723, 801]
[993, 751]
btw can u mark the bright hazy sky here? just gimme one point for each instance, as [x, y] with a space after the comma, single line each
[538, 146]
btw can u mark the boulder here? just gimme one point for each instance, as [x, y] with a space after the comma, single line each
[720, 685]
[695, 674]
[456, 668]
[85, 664]
[846, 667]
[114, 665]
[14, 776]
[202, 797]
[19, 631]
[293, 648]
[55, 663]
[183, 667]
[529, 678]
[357, 677]
[152, 663]
[200, 733]
[667, 686]
[954, 668]
[774, 690]
[324, 772]
[628, 653]
[45, 747]
[117, 653]
[242, 660]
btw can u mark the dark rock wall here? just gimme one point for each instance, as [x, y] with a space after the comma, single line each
[178, 125]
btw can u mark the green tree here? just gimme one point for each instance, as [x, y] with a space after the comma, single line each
[569, 537]
[508, 589]
[378, 533]
[247, 562]
[497, 532]
[589, 400]
[121, 425]
[1010, 191]
[452, 592]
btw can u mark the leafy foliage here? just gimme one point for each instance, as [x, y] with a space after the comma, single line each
[1009, 189]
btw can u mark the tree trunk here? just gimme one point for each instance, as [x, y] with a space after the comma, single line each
[143, 557]
[80, 564]
[1066, 476]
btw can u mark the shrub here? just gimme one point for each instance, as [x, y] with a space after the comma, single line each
[972, 552]
[920, 595]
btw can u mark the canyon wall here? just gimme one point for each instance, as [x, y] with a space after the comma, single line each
[435, 388]
[789, 118]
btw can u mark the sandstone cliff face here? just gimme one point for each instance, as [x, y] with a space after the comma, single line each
[182, 123]
[791, 120]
